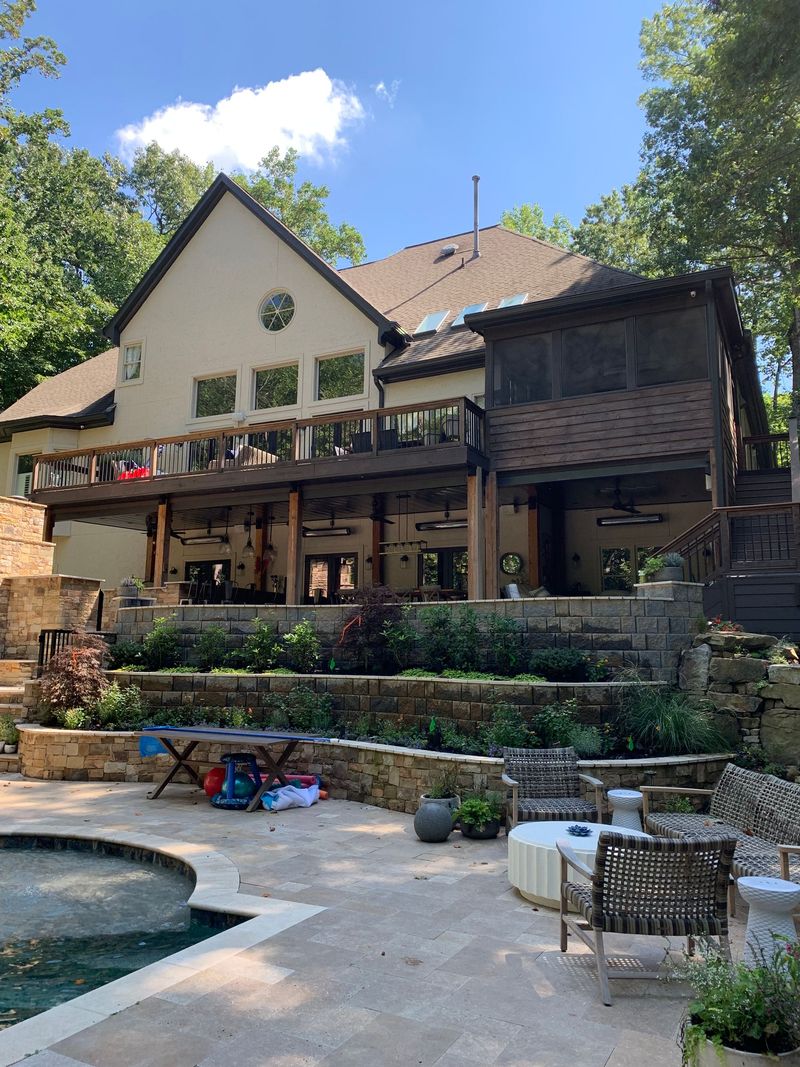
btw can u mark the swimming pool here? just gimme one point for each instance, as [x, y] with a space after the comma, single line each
[79, 914]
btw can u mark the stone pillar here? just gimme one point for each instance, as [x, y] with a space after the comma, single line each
[294, 553]
[475, 535]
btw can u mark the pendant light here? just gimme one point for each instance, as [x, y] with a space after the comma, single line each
[248, 552]
[225, 547]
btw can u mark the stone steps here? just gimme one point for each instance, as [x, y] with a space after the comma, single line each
[14, 672]
[11, 694]
[9, 763]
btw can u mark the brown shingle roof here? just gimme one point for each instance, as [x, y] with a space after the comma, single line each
[418, 280]
[83, 391]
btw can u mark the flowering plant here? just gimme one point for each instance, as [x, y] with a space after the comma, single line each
[724, 625]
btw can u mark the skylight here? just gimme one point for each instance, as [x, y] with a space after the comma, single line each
[512, 301]
[470, 309]
[432, 322]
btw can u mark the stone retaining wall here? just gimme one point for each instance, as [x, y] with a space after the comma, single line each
[646, 631]
[352, 770]
[757, 701]
[45, 601]
[414, 700]
[23, 549]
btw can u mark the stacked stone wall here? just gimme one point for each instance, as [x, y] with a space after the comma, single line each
[47, 601]
[758, 702]
[388, 777]
[646, 632]
[23, 549]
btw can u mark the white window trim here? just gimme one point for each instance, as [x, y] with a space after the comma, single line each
[121, 374]
[356, 350]
[277, 366]
[264, 298]
[226, 418]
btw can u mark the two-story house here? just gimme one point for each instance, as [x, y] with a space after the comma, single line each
[475, 411]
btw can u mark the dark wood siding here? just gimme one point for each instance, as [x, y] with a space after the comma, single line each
[640, 423]
[763, 604]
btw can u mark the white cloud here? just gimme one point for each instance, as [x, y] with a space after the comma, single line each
[308, 111]
[387, 92]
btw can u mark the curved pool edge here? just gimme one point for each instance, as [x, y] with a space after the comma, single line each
[216, 890]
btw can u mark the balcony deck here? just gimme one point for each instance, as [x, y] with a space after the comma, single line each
[437, 436]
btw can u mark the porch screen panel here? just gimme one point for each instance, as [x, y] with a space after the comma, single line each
[593, 358]
[523, 369]
[671, 346]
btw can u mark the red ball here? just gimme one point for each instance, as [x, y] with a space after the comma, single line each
[214, 781]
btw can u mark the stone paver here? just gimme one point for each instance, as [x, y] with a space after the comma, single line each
[423, 954]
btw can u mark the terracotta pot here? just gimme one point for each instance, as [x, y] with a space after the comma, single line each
[709, 1057]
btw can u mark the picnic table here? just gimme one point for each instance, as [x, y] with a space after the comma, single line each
[258, 741]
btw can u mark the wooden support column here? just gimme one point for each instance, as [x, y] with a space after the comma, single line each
[475, 536]
[149, 558]
[49, 523]
[377, 558]
[492, 538]
[162, 537]
[294, 554]
[258, 534]
[534, 563]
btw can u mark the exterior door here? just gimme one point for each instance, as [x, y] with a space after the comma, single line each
[329, 577]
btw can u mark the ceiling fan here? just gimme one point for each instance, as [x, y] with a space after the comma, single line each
[618, 503]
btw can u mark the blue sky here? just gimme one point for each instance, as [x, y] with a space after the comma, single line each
[407, 103]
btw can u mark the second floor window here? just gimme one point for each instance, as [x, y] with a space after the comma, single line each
[276, 387]
[24, 479]
[214, 396]
[132, 363]
[340, 376]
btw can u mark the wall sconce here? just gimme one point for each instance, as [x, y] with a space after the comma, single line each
[173, 570]
[404, 562]
[576, 558]
[240, 566]
[368, 561]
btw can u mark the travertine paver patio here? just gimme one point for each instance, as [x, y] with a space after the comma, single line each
[423, 954]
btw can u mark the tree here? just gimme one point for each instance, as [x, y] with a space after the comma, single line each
[529, 219]
[301, 208]
[167, 186]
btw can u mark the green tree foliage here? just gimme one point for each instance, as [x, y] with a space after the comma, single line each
[301, 207]
[167, 185]
[529, 219]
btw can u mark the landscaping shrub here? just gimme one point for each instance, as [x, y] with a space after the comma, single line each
[211, 648]
[126, 654]
[568, 665]
[754, 758]
[505, 652]
[555, 723]
[302, 710]
[666, 723]
[401, 638]
[261, 648]
[162, 646]
[301, 648]
[437, 637]
[364, 634]
[507, 729]
[587, 741]
[74, 677]
[121, 708]
[465, 653]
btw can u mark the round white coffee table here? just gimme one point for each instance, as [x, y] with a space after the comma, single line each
[625, 805]
[534, 865]
[771, 902]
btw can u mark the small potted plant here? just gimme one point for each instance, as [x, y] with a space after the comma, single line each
[743, 1016]
[662, 568]
[479, 816]
[131, 586]
[444, 791]
[9, 734]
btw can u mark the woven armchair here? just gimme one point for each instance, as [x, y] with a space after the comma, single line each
[545, 784]
[656, 886]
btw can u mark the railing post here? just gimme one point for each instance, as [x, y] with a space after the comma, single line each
[462, 421]
[92, 468]
[794, 459]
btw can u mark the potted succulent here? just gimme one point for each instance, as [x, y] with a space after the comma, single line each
[479, 816]
[662, 568]
[444, 791]
[743, 1016]
[131, 586]
[9, 734]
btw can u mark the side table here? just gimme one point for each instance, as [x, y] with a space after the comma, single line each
[625, 807]
[771, 902]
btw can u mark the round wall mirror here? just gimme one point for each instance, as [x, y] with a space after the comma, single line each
[511, 563]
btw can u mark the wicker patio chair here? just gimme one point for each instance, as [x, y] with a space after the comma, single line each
[545, 784]
[656, 886]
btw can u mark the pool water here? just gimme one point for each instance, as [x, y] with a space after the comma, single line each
[74, 920]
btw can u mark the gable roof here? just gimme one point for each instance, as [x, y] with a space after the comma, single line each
[418, 280]
[81, 396]
[221, 185]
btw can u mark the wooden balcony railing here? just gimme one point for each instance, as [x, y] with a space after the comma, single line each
[761, 537]
[765, 453]
[336, 437]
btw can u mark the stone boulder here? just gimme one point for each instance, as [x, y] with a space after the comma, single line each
[788, 673]
[737, 669]
[780, 733]
[726, 641]
[783, 693]
[693, 669]
[737, 702]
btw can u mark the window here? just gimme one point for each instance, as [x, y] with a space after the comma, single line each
[513, 301]
[214, 396]
[328, 577]
[340, 376]
[470, 309]
[23, 483]
[276, 312]
[446, 567]
[276, 387]
[671, 346]
[594, 358]
[523, 369]
[432, 322]
[615, 564]
[132, 363]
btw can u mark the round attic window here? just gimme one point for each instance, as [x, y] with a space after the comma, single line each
[277, 311]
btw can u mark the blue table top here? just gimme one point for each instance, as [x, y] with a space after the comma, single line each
[221, 733]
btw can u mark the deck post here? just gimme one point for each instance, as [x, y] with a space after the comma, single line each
[492, 538]
[377, 558]
[534, 567]
[294, 553]
[162, 536]
[257, 534]
[794, 460]
[475, 536]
